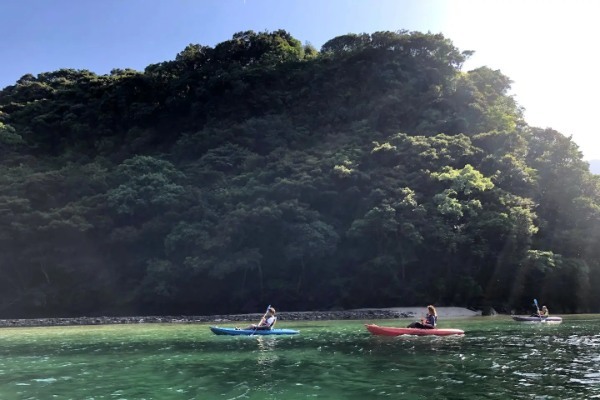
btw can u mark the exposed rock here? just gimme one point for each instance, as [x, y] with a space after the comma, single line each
[361, 314]
[489, 311]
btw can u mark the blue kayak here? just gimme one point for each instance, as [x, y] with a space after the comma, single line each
[251, 332]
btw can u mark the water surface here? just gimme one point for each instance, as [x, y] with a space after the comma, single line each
[496, 359]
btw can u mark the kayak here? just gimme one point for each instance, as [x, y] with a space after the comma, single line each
[390, 331]
[537, 320]
[251, 332]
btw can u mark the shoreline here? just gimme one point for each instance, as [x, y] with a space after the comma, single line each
[356, 314]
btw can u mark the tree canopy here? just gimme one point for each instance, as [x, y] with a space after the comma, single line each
[374, 172]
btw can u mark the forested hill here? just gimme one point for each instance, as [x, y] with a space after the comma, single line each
[374, 172]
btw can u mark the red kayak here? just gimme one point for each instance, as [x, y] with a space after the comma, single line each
[390, 331]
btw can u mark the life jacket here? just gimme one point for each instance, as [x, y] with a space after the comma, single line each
[272, 323]
[429, 318]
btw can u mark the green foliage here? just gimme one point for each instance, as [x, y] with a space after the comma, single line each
[374, 172]
[9, 136]
[148, 185]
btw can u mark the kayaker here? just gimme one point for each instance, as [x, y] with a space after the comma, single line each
[543, 313]
[429, 322]
[266, 322]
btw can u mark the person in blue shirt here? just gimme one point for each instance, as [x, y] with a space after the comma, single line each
[429, 322]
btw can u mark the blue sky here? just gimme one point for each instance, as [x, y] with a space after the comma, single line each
[547, 47]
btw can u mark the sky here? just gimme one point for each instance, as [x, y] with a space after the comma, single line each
[546, 47]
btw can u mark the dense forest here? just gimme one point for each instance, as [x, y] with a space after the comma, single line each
[373, 172]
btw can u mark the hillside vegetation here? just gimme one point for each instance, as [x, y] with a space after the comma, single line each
[374, 172]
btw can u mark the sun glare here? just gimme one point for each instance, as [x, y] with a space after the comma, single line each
[547, 48]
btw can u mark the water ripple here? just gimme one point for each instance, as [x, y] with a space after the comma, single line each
[496, 359]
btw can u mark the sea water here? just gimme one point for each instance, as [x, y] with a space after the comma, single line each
[497, 358]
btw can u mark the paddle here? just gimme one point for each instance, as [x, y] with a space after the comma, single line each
[537, 308]
[264, 317]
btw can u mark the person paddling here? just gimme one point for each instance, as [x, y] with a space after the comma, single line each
[429, 322]
[543, 313]
[266, 322]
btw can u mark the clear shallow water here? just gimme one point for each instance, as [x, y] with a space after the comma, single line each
[496, 359]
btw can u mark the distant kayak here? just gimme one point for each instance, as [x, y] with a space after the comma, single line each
[390, 331]
[251, 332]
[538, 320]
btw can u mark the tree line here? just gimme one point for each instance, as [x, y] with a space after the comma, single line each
[372, 172]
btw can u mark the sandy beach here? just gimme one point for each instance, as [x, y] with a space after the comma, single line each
[443, 312]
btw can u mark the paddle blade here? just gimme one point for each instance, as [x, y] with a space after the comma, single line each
[536, 303]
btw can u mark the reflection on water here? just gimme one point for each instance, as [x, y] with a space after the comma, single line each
[266, 350]
[266, 357]
[496, 359]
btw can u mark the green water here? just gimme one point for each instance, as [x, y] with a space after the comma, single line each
[496, 359]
